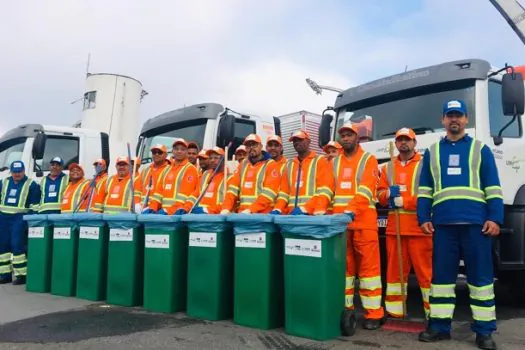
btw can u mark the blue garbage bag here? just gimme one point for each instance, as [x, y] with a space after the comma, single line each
[36, 220]
[124, 221]
[206, 223]
[252, 223]
[163, 222]
[63, 220]
[89, 219]
[317, 226]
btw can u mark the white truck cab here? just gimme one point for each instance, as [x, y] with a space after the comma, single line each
[415, 99]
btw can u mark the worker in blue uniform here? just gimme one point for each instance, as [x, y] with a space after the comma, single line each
[19, 195]
[53, 186]
[460, 202]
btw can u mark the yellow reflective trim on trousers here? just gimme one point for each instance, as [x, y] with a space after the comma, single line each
[350, 282]
[482, 293]
[349, 300]
[19, 259]
[370, 283]
[5, 269]
[441, 310]
[492, 192]
[458, 192]
[6, 257]
[394, 307]
[177, 197]
[372, 303]
[480, 313]
[20, 271]
[395, 288]
[443, 290]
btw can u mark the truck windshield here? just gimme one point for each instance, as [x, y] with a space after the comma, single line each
[10, 151]
[192, 130]
[419, 109]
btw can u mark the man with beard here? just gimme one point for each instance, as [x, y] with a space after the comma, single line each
[255, 183]
[356, 178]
[307, 182]
[460, 202]
[203, 161]
[75, 194]
[148, 178]
[193, 152]
[53, 186]
[416, 248]
[274, 147]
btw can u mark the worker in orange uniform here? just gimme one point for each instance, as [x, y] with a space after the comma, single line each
[241, 153]
[307, 184]
[101, 169]
[356, 178]
[274, 146]
[174, 189]
[211, 182]
[75, 194]
[332, 149]
[149, 177]
[255, 183]
[203, 161]
[116, 196]
[416, 247]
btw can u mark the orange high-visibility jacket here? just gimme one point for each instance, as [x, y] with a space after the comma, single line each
[407, 178]
[356, 181]
[73, 194]
[115, 196]
[143, 184]
[175, 187]
[254, 185]
[316, 185]
[213, 197]
[282, 164]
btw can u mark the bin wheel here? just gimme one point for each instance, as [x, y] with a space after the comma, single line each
[348, 323]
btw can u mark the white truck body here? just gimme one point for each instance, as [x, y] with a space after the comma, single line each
[301, 120]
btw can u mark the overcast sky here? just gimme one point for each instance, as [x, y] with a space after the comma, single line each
[251, 55]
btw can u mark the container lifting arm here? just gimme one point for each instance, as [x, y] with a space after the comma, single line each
[514, 14]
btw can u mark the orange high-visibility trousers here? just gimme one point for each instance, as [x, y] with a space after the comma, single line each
[363, 262]
[417, 253]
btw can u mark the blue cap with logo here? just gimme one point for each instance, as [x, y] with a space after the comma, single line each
[455, 106]
[57, 160]
[17, 166]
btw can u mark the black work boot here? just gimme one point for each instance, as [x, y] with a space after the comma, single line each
[373, 324]
[431, 336]
[485, 342]
[19, 280]
[4, 280]
[348, 323]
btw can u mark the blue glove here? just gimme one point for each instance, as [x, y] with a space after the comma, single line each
[297, 211]
[148, 211]
[394, 191]
[162, 212]
[180, 212]
[391, 203]
[275, 212]
[198, 210]
[351, 214]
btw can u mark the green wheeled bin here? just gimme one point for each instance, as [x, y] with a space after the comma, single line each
[314, 274]
[65, 249]
[258, 271]
[39, 253]
[125, 260]
[210, 267]
[92, 256]
[165, 262]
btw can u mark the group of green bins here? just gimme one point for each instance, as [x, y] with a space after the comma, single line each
[264, 271]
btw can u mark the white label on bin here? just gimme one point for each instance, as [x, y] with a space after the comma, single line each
[251, 240]
[121, 235]
[203, 239]
[35, 232]
[302, 247]
[62, 233]
[157, 241]
[89, 232]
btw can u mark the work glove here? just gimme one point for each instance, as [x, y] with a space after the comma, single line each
[138, 208]
[394, 191]
[320, 212]
[351, 214]
[148, 211]
[180, 212]
[225, 212]
[398, 202]
[162, 212]
[246, 211]
[199, 210]
[275, 212]
[298, 211]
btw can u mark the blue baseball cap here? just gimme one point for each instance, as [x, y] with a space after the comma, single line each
[17, 166]
[455, 106]
[57, 160]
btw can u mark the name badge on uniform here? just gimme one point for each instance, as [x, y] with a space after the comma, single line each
[346, 185]
[12, 193]
[114, 195]
[453, 171]
[402, 188]
[208, 194]
[300, 184]
[11, 200]
[167, 187]
[52, 194]
[65, 201]
[248, 184]
[52, 188]
[453, 160]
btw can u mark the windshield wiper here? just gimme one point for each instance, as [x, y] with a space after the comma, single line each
[418, 131]
[4, 168]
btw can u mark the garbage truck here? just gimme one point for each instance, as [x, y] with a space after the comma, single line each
[414, 99]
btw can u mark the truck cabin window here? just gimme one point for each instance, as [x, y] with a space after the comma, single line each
[66, 148]
[243, 128]
[10, 151]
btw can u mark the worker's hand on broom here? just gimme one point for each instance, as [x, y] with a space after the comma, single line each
[351, 214]
[275, 212]
[398, 202]
[199, 210]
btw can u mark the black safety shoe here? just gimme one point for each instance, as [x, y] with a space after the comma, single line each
[485, 342]
[431, 336]
[19, 280]
[5, 280]
[348, 323]
[373, 324]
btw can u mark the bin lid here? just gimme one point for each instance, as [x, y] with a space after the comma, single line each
[60, 217]
[88, 217]
[250, 218]
[203, 218]
[315, 220]
[35, 217]
[157, 218]
[120, 217]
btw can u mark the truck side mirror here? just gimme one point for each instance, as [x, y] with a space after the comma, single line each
[324, 129]
[39, 145]
[277, 124]
[226, 130]
[512, 94]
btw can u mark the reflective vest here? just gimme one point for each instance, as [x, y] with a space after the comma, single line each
[148, 179]
[14, 196]
[73, 194]
[282, 164]
[52, 192]
[213, 198]
[115, 196]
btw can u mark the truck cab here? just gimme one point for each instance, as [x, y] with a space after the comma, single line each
[207, 124]
[415, 98]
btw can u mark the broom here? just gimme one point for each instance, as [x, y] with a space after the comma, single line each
[405, 324]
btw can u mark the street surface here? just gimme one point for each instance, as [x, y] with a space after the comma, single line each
[43, 321]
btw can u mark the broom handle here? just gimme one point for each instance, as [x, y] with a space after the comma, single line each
[225, 178]
[398, 236]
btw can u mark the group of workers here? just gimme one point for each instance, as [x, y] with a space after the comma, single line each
[448, 202]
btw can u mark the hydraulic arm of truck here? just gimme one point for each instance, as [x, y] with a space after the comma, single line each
[514, 14]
